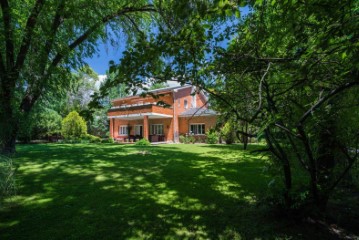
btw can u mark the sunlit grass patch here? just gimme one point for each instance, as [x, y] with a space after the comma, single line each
[93, 191]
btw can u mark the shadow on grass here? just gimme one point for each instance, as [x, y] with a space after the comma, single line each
[116, 192]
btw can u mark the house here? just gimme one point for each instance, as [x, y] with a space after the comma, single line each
[137, 117]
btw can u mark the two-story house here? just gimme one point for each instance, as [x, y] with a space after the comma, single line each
[137, 117]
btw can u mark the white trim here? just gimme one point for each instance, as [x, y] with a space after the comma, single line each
[189, 130]
[123, 126]
[200, 115]
[157, 124]
[141, 115]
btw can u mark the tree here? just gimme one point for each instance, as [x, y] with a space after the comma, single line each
[73, 126]
[290, 71]
[43, 40]
[296, 66]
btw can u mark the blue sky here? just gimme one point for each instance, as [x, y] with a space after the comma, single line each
[107, 52]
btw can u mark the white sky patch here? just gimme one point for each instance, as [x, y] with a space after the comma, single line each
[101, 79]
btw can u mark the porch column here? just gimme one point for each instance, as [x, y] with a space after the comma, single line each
[112, 125]
[145, 127]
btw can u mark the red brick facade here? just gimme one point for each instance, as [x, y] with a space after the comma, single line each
[135, 117]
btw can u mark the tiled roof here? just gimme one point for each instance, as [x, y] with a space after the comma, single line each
[198, 112]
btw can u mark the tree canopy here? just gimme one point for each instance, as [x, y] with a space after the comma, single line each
[44, 40]
[290, 71]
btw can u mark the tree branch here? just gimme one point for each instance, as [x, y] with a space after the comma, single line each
[260, 93]
[26, 40]
[58, 58]
[29, 100]
[8, 34]
[324, 99]
[134, 24]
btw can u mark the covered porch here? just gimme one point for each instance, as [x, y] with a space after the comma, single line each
[127, 128]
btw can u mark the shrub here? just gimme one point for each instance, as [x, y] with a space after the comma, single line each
[143, 142]
[108, 140]
[7, 179]
[212, 138]
[228, 132]
[187, 139]
[73, 126]
[94, 139]
[182, 139]
[191, 139]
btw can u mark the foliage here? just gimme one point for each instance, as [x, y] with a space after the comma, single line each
[44, 41]
[91, 138]
[42, 122]
[73, 126]
[228, 132]
[212, 137]
[143, 142]
[187, 139]
[108, 140]
[290, 73]
[7, 178]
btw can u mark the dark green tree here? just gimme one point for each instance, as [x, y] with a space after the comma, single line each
[41, 41]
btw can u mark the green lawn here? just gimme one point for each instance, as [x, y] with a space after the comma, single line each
[116, 192]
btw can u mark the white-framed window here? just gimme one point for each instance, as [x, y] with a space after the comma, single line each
[179, 102]
[185, 104]
[138, 129]
[157, 129]
[197, 128]
[123, 130]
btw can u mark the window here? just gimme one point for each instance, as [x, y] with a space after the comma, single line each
[179, 102]
[157, 129]
[123, 130]
[197, 129]
[138, 130]
[185, 103]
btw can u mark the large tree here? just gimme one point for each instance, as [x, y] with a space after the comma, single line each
[42, 41]
[290, 71]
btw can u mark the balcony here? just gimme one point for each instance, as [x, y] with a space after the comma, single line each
[137, 111]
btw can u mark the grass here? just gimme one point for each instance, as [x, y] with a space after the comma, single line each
[109, 191]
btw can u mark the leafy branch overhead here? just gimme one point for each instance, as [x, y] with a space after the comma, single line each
[43, 41]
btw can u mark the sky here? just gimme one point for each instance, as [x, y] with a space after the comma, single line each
[100, 61]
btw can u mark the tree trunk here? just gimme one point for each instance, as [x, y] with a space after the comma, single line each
[9, 129]
[245, 137]
[8, 121]
[326, 160]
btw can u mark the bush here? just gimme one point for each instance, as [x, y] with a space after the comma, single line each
[191, 139]
[7, 179]
[212, 138]
[187, 139]
[228, 132]
[182, 139]
[143, 142]
[73, 126]
[108, 140]
[93, 139]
